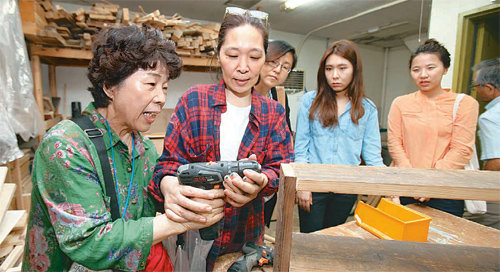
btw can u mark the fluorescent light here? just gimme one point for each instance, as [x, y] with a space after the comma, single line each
[291, 4]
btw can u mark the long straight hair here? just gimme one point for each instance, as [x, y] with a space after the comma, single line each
[324, 106]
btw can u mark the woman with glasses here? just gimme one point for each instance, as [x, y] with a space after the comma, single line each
[422, 129]
[227, 121]
[335, 125]
[280, 61]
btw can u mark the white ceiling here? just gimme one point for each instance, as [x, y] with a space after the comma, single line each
[375, 22]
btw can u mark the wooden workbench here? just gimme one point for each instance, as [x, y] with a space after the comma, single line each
[319, 252]
[444, 229]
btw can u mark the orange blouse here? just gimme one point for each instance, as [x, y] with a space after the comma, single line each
[421, 133]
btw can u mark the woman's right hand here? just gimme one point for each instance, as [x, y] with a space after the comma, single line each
[180, 204]
[163, 227]
[304, 200]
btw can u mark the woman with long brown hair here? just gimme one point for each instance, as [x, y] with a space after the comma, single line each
[335, 125]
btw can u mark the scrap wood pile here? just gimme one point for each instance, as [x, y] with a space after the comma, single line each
[44, 23]
[13, 225]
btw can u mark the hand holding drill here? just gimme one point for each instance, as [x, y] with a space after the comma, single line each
[213, 175]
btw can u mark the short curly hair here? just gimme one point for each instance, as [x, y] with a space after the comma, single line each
[119, 52]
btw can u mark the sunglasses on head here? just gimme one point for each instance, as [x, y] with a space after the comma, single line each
[263, 16]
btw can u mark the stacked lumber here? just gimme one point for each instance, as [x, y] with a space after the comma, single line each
[18, 174]
[13, 224]
[44, 23]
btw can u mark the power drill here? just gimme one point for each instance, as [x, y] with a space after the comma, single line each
[210, 175]
[254, 255]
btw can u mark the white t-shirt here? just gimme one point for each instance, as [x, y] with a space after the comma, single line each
[233, 124]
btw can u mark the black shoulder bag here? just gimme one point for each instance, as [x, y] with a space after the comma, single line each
[95, 136]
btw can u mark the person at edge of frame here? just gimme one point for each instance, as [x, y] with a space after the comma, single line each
[487, 85]
[70, 225]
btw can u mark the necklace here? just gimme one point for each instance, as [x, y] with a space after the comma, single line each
[114, 169]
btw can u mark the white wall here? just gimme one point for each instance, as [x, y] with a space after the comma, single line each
[443, 26]
[398, 80]
[373, 64]
[76, 82]
[307, 60]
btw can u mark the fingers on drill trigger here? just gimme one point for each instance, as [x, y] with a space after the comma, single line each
[195, 206]
[218, 203]
[190, 191]
[218, 193]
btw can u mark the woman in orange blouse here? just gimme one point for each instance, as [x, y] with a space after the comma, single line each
[421, 129]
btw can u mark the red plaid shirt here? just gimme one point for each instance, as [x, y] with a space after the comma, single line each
[193, 136]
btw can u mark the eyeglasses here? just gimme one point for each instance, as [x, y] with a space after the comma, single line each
[474, 86]
[285, 67]
[263, 16]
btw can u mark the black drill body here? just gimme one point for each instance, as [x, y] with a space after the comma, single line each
[210, 175]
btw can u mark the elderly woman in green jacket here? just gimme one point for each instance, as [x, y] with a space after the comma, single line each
[70, 223]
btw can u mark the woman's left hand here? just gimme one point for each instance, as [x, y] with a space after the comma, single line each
[239, 191]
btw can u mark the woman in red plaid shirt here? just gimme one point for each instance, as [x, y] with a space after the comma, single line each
[227, 121]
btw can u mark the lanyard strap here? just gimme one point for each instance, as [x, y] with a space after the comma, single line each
[114, 168]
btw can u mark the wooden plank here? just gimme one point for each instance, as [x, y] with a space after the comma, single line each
[22, 222]
[125, 16]
[9, 221]
[63, 53]
[286, 201]
[371, 180]
[444, 229]
[52, 81]
[205, 62]
[13, 239]
[6, 194]
[69, 56]
[313, 252]
[37, 81]
[13, 258]
[4, 251]
[15, 269]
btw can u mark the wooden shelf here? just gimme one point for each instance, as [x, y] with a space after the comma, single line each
[81, 57]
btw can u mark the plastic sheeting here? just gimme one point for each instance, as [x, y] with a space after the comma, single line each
[19, 113]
